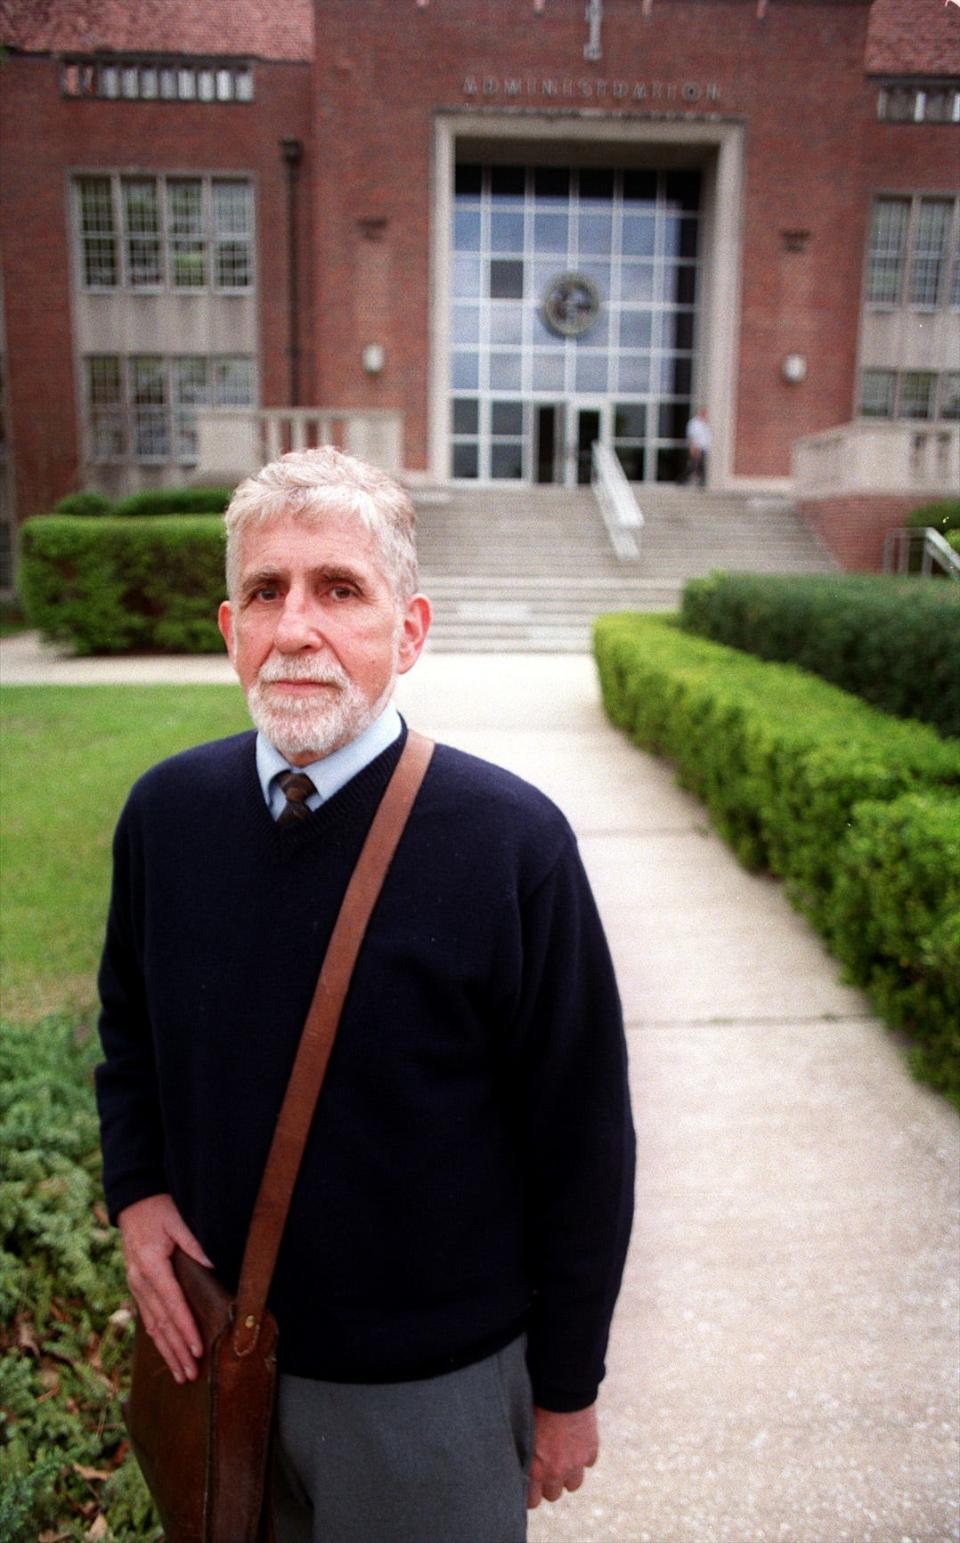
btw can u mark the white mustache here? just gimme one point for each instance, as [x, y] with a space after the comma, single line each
[315, 670]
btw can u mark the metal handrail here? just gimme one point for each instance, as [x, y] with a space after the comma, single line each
[898, 548]
[618, 504]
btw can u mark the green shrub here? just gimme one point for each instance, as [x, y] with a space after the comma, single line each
[944, 515]
[953, 539]
[893, 642]
[65, 1321]
[894, 919]
[86, 504]
[114, 585]
[174, 501]
[781, 759]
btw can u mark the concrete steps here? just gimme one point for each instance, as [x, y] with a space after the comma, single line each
[527, 570]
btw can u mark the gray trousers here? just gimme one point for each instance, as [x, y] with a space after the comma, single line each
[442, 1460]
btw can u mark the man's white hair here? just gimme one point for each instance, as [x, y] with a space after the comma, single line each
[311, 484]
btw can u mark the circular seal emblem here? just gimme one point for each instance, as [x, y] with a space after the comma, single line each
[571, 304]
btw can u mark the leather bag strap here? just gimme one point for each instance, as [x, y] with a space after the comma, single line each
[316, 1043]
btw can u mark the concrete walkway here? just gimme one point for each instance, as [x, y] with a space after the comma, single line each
[784, 1359]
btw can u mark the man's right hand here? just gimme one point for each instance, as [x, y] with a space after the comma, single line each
[151, 1230]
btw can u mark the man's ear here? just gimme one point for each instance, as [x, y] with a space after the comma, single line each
[225, 623]
[416, 625]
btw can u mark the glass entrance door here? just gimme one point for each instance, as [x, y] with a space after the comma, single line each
[585, 422]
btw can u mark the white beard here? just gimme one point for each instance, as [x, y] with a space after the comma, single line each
[316, 725]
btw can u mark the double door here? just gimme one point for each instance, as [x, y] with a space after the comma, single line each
[564, 433]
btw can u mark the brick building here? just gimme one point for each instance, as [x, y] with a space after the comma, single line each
[522, 224]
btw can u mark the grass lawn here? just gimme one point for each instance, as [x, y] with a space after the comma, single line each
[67, 758]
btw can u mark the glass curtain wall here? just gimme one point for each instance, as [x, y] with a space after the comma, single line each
[522, 368]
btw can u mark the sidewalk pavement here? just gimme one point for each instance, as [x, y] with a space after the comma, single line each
[783, 1367]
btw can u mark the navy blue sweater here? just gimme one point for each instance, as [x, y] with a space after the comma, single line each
[469, 1172]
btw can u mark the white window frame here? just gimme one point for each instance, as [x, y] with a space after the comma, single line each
[176, 414]
[212, 238]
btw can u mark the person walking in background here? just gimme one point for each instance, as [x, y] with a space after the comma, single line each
[698, 447]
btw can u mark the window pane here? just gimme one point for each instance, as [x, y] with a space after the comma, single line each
[234, 383]
[888, 234]
[506, 324]
[232, 208]
[233, 265]
[466, 230]
[629, 420]
[929, 250]
[877, 389]
[243, 83]
[916, 394]
[97, 231]
[148, 395]
[466, 415]
[465, 461]
[504, 372]
[141, 218]
[506, 230]
[191, 389]
[506, 280]
[185, 227]
[105, 407]
[468, 181]
[206, 85]
[950, 397]
[506, 460]
[506, 418]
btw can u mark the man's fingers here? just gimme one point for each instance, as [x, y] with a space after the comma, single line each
[572, 1481]
[185, 1239]
[534, 1494]
[167, 1318]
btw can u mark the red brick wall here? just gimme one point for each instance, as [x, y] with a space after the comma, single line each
[796, 75]
[43, 136]
[853, 527]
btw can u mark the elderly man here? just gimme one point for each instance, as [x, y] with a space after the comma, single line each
[456, 1238]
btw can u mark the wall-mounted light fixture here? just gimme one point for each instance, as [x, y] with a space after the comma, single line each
[794, 369]
[374, 358]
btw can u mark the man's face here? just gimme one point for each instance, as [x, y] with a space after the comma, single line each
[316, 632]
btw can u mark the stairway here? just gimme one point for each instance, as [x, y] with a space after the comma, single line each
[527, 569]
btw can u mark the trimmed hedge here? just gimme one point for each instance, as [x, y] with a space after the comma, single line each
[894, 920]
[782, 760]
[154, 501]
[89, 505]
[893, 642]
[110, 585]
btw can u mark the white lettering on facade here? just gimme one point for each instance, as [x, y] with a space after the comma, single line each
[590, 90]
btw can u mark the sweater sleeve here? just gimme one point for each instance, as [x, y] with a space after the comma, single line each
[575, 1125]
[131, 1131]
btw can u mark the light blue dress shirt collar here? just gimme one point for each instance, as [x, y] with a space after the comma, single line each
[331, 772]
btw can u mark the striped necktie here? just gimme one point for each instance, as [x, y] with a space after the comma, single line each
[297, 788]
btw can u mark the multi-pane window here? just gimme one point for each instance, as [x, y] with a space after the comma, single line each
[913, 246]
[233, 230]
[182, 233]
[917, 389]
[186, 235]
[143, 407]
[908, 102]
[569, 286]
[911, 394]
[888, 239]
[147, 80]
[931, 233]
[98, 232]
[878, 390]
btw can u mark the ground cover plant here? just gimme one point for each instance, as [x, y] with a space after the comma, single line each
[793, 771]
[893, 642]
[66, 1472]
[115, 585]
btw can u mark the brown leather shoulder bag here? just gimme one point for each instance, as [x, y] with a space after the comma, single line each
[205, 1446]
